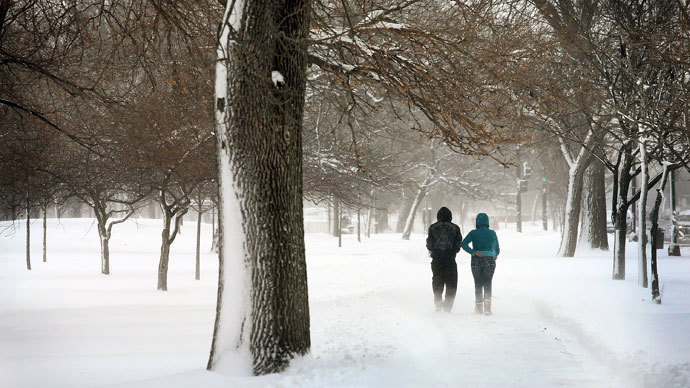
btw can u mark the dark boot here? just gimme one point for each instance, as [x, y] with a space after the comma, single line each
[479, 308]
[487, 307]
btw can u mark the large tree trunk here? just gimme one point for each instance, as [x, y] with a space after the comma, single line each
[263, 305]
[577, 165]
[594, 207]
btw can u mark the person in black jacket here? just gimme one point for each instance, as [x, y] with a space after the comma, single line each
[444, 242]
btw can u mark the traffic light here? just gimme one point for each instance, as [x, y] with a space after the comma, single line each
[522, 185]
[527, 170]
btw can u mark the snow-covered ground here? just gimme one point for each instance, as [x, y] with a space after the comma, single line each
[557, 322]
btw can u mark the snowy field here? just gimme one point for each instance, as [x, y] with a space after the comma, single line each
[557, 322]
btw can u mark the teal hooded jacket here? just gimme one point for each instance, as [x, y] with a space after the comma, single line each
[483, 239]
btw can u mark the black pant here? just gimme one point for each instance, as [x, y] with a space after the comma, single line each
[483, 272]
[445, 273]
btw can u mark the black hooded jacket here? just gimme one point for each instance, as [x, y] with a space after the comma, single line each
[444, 239]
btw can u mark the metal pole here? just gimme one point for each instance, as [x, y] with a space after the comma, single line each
[673, 248]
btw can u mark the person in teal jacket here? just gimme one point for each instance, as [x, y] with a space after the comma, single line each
[484, 253]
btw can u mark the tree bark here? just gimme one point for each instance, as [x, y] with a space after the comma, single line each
[621, 206]
[409, 223]
[577, 165]
[404, 215]
[359, 223]
[572, 210]
[642, 279]
[172, 218]
[216, 232]
[339, 223]
[164, 257]
[335, 224]
[656, 295]
[381, 221]
[594, 207]
[45, 227]
[105, 256]
[197, 271]
[28, 236]
[260, 157]
[105, 247]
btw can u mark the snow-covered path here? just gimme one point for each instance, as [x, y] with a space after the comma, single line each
[557, 322]
[385, 332]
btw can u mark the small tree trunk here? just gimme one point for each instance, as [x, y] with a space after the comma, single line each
[359, 223]
[336, 218]
[370, 214]
[619, 254]
[165, 253]
[642, 219]
[328, 206]
[534, 209]
[339, 217]
[105, 255]
[381, 221]
[572, 210]
[404, 215]
[28, 236]
[620, 216]
[197, 272]
[656, 295]
[104, 239]
[409, 224]
[45, 227]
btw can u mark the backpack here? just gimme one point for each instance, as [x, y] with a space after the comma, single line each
[444, 236]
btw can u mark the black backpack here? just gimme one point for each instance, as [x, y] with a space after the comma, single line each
[444, 236]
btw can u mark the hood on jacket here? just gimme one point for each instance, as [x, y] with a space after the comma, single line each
[482, 220]
[444, 215]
